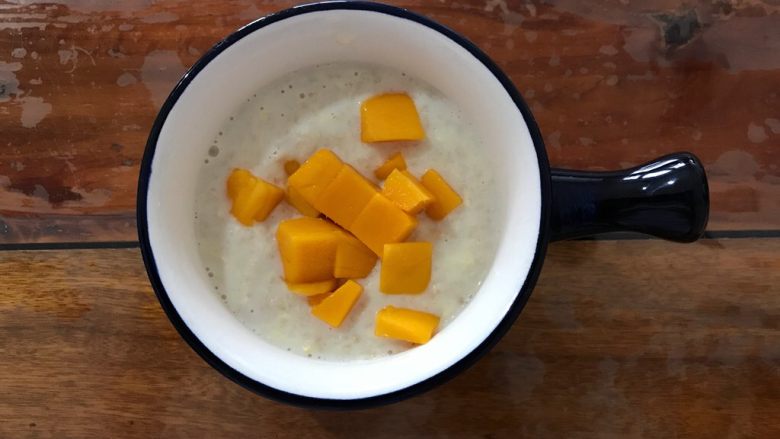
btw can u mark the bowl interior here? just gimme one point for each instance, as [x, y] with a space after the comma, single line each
[270, 50]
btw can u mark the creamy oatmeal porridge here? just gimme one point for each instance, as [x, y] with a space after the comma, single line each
[292, 118]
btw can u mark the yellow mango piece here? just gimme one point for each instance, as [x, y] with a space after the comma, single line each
[405, 324]
[334, 308]
[274, 197]
[290, 166]
[353, 259]
[296, 200]
[308, 249]
[237, 180]
[315, 174]
[312, 288]
[345, 197]
[406, 192]
[445, 197]
[315, 300]
[396, 161]
[406, 268]
[382, 222]
[256, 201]
[390, 116]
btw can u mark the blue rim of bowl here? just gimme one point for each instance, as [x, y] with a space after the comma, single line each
[377, 400]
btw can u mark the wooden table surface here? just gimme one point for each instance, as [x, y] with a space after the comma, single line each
[622, 337]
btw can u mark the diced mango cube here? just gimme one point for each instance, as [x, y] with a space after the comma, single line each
[390, 116]
[274, 197]
[353, 259]
[290, 166]
[308, 249]
[334, 308]
[406, 267]
[315, 300]
[296, 200]
[445, 197]
[237, 180]
[405, 324]
[315, 174]
[406, 192]
[396, 161]
[255, 201]
[345, 197]
[382, 222]
[312, 288]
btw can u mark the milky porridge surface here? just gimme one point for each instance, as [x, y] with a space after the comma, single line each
[318, 107]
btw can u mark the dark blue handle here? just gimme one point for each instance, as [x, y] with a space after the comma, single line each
[667, 198]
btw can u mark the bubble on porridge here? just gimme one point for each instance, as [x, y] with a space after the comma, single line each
[232, 118]
[206, 161]
[302, 95]
[214, 151]
[290, 86]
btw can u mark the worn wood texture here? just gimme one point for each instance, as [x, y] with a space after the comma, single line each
[612, 83]
[620, 339]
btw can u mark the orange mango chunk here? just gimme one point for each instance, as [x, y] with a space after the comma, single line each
[290, 166]
[312, 288]
[390, 116]
[345, 197]
[445, 197]
[406, 192]
[255, 201]
[405, 324]
[353, 259]
[334, 308]
[308, 249]
[296, 200]
[382, 222]
[237, 180]
[315, 300]
[406, 268]
[396, 161]
[315, 174]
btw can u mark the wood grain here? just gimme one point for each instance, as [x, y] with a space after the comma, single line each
[612, 84]
[620, 339]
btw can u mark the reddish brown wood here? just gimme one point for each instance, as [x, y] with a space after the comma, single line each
[610, 83]
[620, 339]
